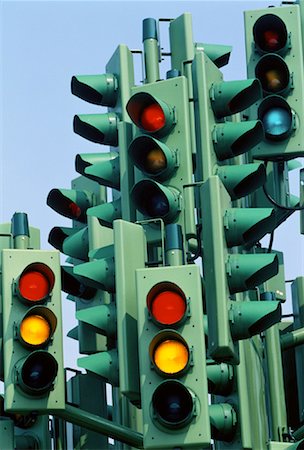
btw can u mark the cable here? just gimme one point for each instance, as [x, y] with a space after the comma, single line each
[287, 208]
[270, 242]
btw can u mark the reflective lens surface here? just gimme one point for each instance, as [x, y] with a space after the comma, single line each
[168, 307]
[155, 161]
[39, 371]
[157, 205]
[271, 40]
[152, 118]
[35, 330]
[173, 404]
[276, 121]
[171, 356]
[75, 210]
[34, 285]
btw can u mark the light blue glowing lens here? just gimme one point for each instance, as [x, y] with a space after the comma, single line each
[277, 121]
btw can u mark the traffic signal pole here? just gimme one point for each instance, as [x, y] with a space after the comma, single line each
[90, 421]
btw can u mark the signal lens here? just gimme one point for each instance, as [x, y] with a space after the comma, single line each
[277, 118]
[152, 118]
[277, 122]
[270, 33]
[38, 372]
[157, 205]
[75, 210]
[35, 330]
[155, 161]
[173, 404]
[170, 356]
[273, 73]
[271, 39]
[34, 285]
[167, 307]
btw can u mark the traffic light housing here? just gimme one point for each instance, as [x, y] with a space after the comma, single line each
[274, 48]
[32, 330]
[224, 226]
[161, 152]
[172, 357]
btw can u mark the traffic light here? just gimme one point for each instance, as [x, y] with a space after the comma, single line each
[274, 48]
[112, 128]
[161, 152]
[224, 226]
[172, 360]
[172, 357]
[32, 330]
[112, 269]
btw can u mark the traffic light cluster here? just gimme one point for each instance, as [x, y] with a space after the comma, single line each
[181, 164]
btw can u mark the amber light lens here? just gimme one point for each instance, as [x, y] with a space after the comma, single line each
[152, 118]
[155, 161]
[171, 356]
[34, 285]
[35, 330]
[168, 307]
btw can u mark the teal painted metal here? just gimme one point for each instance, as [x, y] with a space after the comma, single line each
[82, 392]
[275, 384]
[22, 393]
[159, 193]
[226, 274]
[192, 431]
[128, 257]
[98, 424]
[282, 79]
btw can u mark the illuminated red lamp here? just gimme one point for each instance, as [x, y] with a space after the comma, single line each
[35, 283]
[167, 304]
[150, 114]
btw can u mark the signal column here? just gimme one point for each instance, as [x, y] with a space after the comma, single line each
[274, 50]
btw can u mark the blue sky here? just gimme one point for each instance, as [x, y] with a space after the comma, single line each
[43, 45]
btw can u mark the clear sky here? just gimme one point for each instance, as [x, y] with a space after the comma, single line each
[43, 45]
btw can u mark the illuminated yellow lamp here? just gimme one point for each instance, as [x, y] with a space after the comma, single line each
[155, 160]
[35, 330]
[171, 356]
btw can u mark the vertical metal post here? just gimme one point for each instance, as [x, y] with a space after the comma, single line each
[20, 230]
[151, 50]
[276, 384]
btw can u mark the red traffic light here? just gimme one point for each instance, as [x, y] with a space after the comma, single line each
[270, 34]
[167, 304]
[35, 283]
[150, 114]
